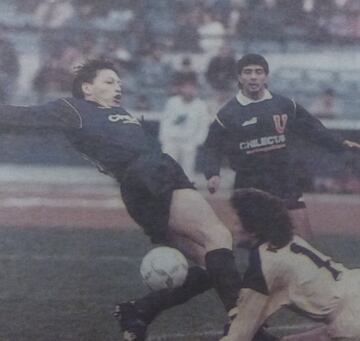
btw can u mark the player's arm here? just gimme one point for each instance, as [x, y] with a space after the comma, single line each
[213, 154]
[259, 298]
[308, 126]
[55, 115]
[252, 313]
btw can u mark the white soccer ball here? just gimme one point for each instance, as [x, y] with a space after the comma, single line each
[164, 267]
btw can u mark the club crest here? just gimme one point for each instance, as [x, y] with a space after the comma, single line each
[280, 121]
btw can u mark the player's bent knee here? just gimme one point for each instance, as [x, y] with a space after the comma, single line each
[218, 237]
[192, 216]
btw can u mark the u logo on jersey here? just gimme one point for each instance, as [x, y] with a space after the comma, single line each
[280, 121]
[123, 118]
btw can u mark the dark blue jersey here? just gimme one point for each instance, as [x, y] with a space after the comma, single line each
[255, 138]
[110, 137]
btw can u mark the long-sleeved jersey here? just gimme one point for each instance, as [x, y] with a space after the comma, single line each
[303, 279]
[255, 137]
[186, 122]
[110, 137]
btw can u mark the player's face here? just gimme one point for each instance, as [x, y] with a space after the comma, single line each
[105, 89]
[253, 80]
[243, 238]
[188, 91]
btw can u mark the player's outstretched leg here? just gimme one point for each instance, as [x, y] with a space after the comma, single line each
[135, 316]
[132, 321]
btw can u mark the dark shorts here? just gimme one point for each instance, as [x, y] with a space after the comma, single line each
[147, 189]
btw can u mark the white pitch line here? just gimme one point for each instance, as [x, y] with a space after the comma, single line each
[31, 202]
[68, 258]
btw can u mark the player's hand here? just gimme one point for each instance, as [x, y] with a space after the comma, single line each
[213, 184]
[351, 144]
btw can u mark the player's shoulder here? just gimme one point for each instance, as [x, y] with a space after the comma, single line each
[71, 103]
[228, 109]
[281, 99]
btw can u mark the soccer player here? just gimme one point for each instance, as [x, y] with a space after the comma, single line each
[285, 271]
[253, 131]
[184, 124]
[157, 193]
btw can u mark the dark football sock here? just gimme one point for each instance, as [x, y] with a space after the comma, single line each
[226, 279]
[197, 282]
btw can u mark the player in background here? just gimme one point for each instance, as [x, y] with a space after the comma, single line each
[185, 123]
[157, 193]
[253, 131]
[285, 271]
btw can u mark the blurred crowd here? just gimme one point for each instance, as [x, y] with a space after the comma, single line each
[140, 33]
[155, 44]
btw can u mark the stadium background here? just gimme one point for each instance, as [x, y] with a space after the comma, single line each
[68, 249]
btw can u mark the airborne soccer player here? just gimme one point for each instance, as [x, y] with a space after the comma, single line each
[157, 193]
[254, 132]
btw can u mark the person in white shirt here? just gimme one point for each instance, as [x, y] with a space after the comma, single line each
[286, 271]
[185, 124]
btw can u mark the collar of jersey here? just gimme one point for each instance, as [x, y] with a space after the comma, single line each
[243, 100]
[98, 105]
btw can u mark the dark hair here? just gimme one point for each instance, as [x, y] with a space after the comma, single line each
[252, 59]
[263, 214]
[86, 73]
[182, 78]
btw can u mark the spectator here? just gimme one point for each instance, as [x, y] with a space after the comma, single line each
[221, 71]
[154, 76]
[211, 32]
[53, 13]
[185, 124]
[186, 36]
[327, 105]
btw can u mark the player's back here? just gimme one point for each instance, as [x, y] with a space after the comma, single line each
[312, 282]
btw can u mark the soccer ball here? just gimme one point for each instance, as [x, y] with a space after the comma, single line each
[164, 267]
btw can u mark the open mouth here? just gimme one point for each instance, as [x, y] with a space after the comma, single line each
[253, 86]
[117, 98]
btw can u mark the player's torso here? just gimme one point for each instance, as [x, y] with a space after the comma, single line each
[312, 281]
[185, 115]
[257, 128]
[108, 135]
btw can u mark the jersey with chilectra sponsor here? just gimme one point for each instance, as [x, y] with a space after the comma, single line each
[110, 137]
[255, 136]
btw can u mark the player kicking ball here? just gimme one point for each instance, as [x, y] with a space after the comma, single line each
[285, 271]
[157, 193]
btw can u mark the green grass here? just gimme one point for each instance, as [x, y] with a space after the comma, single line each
[62, 285]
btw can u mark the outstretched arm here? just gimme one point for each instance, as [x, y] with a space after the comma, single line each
[252, 313]
[56, 115]
[308, 126]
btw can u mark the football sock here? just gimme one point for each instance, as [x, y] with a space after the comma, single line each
[223, 272]
[196, 282]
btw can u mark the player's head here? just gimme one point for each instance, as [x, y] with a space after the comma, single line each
[187, 86]
[253, 70]
[98, 81]
[263, 216]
